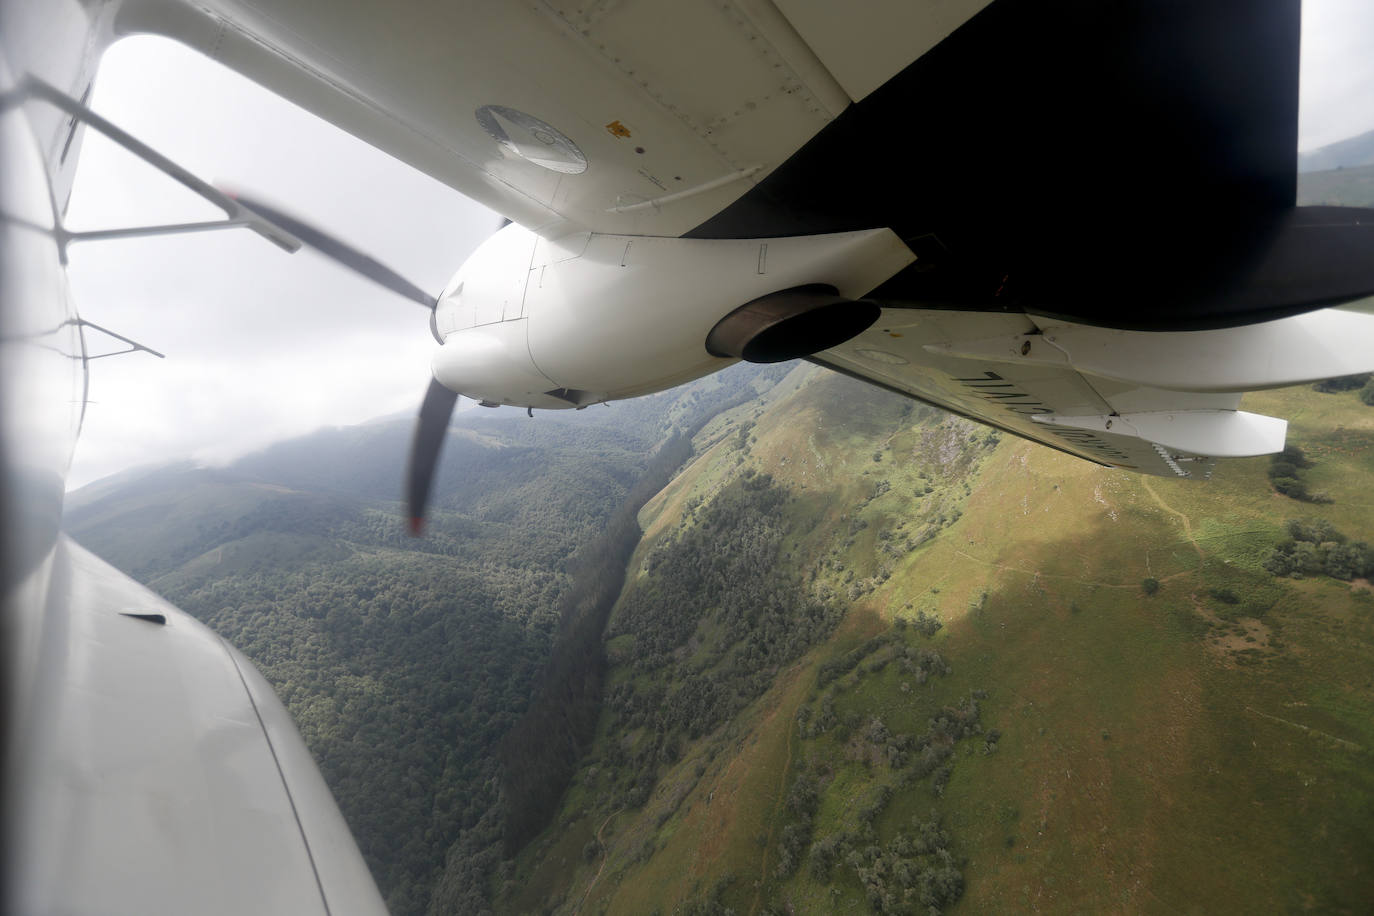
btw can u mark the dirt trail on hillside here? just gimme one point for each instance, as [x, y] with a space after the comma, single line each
[782, 783]
[1037, 573]
[605, 857]
[1187, 525]
[1307, 729]
[1065, 576]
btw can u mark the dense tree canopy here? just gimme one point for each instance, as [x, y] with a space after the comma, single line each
[406, 661]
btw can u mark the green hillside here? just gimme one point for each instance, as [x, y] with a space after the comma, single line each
[1345, 187]
[1121, 709]
[868, 657]
[1353, 151]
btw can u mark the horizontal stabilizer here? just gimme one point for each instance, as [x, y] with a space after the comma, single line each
[1215, 433]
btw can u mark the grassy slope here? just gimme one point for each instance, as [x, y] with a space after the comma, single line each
[1352, 187]
[1159, 753]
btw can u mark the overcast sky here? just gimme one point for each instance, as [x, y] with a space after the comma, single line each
[1337, 71]
[262, 345]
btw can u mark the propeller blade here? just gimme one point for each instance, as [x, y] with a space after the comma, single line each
[338, 250]
[424, 450]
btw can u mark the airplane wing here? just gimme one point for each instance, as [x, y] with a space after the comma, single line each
[1128, 164]
[1163, 403]
[145, 766]
[1051, 166]
[1123, 164]
[639, 118]
[160, 772]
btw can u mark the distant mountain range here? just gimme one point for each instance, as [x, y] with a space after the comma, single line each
[1345, 154]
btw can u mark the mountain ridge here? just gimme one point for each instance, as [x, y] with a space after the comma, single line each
[1136, 711]
[1079, 791]
[1343, 154]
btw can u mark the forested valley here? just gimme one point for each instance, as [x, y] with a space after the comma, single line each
[404, 662]
[776, 643]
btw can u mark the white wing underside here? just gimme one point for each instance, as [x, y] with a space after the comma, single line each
[160, 772]
[608, 118]
[1162, 403]
[669, 133]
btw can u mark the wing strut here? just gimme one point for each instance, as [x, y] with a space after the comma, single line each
[237, 215]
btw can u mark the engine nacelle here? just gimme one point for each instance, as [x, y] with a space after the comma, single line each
[491, 363]
[589, 318]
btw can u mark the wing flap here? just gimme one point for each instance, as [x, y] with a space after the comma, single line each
[988, 367]
[1272, 354]
[1217, 433]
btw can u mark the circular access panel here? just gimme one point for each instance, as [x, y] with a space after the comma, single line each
[531, 139]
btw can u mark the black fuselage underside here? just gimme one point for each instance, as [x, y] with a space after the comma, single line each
[1128, 164]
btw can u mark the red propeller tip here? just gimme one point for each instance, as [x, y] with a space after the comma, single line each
[417, 525]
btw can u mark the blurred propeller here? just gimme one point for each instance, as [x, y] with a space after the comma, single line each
[339, 251]
[439, 401]
[424, 450]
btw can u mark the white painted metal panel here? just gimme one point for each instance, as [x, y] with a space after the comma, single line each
[1128, 424]
[631, 315]
[867, 42]
[1216, 433]
[155, 780]
[1271, 354]
[494, 292]
[628, 83]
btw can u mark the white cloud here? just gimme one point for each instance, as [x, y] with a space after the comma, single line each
[260, 344]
